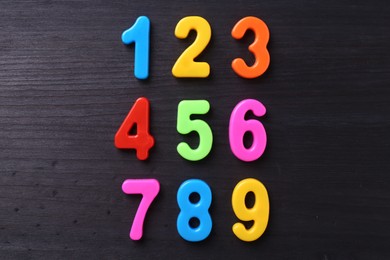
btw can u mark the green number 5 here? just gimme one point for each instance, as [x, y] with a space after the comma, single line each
[186, 125]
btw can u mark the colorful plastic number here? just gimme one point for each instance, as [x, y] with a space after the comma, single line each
[142, 141]
[148, 188]
[139, 34]
[238, 126]
[259, 213]
[197, 210]
[185, 125]
[258, 47]
[185, 66]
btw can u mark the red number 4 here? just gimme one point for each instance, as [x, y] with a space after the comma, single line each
[142, 141]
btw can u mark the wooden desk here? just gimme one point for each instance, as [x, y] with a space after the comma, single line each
[66, 84]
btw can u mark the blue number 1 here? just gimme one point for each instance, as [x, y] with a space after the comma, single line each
[139, 34]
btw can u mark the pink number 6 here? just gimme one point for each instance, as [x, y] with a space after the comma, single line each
[238, 126]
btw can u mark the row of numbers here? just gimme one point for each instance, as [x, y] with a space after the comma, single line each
[185, 66]
[199, 210]
[143, 141]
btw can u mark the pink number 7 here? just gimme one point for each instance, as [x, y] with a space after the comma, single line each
[149, 189]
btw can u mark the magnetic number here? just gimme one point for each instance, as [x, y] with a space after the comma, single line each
[194, 222]
[142, 141]
[259, 213]
[148, 188]
[139, 34]
[198, 210]
[258, 47]
[185, 65]
[185, 125]
[238, 126]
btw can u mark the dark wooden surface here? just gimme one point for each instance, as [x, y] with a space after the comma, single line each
[66, 83]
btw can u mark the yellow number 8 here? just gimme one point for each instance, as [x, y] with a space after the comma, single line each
[259, 213]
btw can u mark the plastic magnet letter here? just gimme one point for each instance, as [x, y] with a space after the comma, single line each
[189, 210]
[185, 66]
[142, 141]
[139, 33]
[186, 125]
[258, 47]
[238, 126]
[259, 213]
[148, 188]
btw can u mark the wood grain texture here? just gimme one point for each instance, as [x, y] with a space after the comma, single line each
[66, 84]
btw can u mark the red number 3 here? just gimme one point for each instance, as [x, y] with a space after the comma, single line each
[258, 47]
